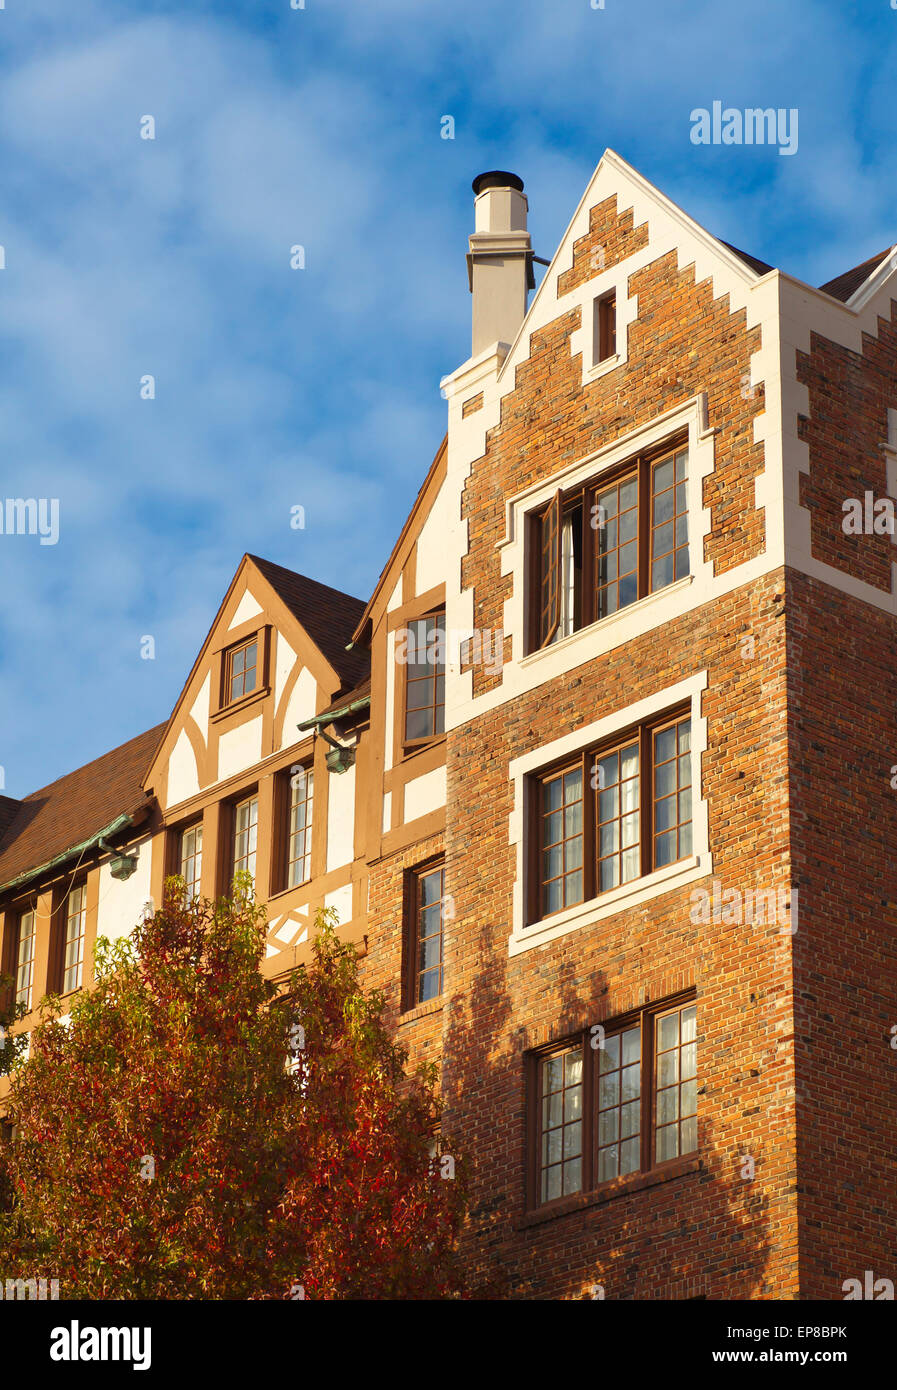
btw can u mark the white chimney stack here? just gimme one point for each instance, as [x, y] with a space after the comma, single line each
[499, 262]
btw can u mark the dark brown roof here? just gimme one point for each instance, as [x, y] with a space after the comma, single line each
[328, 615]
[754, 262]
[70, 810]
[361, 692]
[846, 285]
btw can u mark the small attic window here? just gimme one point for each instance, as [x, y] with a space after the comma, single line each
[240, 671]
[605, 327]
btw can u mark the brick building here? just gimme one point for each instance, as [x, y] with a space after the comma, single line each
[600, 780]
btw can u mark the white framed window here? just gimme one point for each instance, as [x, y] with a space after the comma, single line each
[75, 927]
[25, 939]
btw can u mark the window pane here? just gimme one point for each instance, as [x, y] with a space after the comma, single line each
[417, 724]
[561, 841]
[669, 522]
[616, 549]
[662, 572]
[560, 1146]
[629, 1156]
[607, 1163]
[618, 820]
[429, 922]
[676, 1083]
[619, 1105]
[245, 836]
[667, 1143]
[74, 939]
[667, 1032]
[25, 958]
[672, 796]
[425, 678]
[629, 1118]
[663, 475]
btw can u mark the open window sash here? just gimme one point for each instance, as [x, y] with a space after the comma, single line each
[550, 572]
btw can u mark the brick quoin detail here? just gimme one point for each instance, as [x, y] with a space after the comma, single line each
[683, 342]
[850, 394]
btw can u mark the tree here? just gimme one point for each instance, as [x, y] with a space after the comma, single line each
[192, 1132]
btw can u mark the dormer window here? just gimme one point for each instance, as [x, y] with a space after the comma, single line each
[241, 671]
[609, 542]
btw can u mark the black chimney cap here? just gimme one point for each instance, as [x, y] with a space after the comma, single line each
[497, 178]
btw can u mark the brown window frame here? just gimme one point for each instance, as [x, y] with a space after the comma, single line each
[585, 761]
[283, 809]
[20, 916]
[61, 912]
[545, 542]
[177, 859]
[646, 1018]
[229, 698]
[410, 744]
[605, 327]
[412, 973]
[251, 794]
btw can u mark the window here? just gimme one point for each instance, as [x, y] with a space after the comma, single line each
[426, 918]
[612, 814]
[75, 923]
[560, 1162]
[190, 859]
[608, 543]
[246, 822]
[605, 327]
[300, 822]
[614, 1101]
[424, 655]
[25, 958]
[240, 671]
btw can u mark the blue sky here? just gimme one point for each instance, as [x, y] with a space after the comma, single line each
[320, 388]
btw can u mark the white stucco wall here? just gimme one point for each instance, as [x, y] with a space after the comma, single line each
[284, 662]
[425, 794]
[301, 706]
[340, 818]
[247, 608]
[341, 899]
[121, 903]
[183, 777]
[431, 544]
[240, 748]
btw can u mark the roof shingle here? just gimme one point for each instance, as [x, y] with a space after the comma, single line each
[845, 285]
[71, 809]
[328, 615]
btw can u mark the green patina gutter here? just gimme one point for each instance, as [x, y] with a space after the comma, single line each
[320, 720]
[120, 823]
[340, 758]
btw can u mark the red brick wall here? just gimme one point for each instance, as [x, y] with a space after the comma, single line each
[420, 1030]
[849, 396]
[842, 698]
[683, 342]
[706, 1232]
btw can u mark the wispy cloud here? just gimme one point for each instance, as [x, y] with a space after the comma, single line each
[321, 127]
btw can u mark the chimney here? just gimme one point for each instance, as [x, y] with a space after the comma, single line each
[499, 262]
